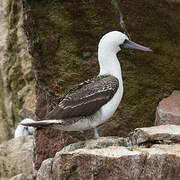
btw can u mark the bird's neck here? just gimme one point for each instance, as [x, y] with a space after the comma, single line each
[109, 64]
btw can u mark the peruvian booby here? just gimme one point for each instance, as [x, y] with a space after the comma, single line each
[23, 130]
[94, 101]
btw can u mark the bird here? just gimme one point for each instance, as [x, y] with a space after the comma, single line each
[23, 130]
[94, 101]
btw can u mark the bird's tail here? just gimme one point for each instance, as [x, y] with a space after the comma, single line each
[42, 123]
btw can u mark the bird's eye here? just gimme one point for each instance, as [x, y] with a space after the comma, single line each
[125, 41]
[122, 45]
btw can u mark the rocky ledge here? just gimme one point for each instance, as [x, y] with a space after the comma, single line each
[147, 153]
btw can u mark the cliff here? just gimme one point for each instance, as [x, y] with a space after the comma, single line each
[46, 47]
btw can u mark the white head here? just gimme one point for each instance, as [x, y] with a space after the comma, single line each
[109, 45]
[112, 41]
[115, 41]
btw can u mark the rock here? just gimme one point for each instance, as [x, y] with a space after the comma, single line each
[16, 157]
[140, 136]
[2, 129]
[21, 177]
[159, 162]
[176, 1]
[27, 95]
[45, 172]
[106, 163]
[145, 157]
[168, 110]
[17, 90]
[162, 134]
[99, 143]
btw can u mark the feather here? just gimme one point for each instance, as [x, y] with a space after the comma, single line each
[86, 98]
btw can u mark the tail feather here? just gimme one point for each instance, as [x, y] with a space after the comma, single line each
[42, 123]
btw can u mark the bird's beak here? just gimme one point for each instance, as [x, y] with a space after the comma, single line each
[132, 45]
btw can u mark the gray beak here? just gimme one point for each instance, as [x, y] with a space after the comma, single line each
[132, 45]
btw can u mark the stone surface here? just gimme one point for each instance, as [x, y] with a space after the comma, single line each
[5, 93]
[176, 1]
[17, 90]
[168, 110]
[2, 129]
[141, 136]
[16, 157]
[160, 162]
[150, 153]
[92, 143]
[21, 177]
[156, 134]
[45, 172]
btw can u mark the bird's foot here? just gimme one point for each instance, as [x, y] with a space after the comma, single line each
[85, 134]
[96, 135]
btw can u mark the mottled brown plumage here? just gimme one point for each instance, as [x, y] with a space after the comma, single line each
[86, 98]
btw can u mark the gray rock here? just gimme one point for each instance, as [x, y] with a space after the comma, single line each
[16, 157]
[140, 136]
[21, 177]
[45, 172]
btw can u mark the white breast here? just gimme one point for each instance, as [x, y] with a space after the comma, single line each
[107, 110]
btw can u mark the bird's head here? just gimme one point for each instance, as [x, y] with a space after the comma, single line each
[115, 41]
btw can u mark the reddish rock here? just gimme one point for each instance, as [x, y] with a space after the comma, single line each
[106, 158]
[176, 1]
[160, 162]
[168, 110]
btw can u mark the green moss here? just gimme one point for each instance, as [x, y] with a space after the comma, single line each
[6, 127]
[15, 77]
[16, 82]
[13, 13]
[13, 18]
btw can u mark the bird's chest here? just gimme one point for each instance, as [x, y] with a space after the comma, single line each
[110, 107]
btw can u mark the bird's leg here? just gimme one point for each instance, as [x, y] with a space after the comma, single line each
[85, 134]
[96, 135]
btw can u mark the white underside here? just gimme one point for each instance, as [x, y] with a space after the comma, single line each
[104, 113]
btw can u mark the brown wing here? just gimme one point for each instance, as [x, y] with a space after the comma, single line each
[86, 98]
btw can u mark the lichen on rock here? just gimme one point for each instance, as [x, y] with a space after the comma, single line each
[16, 68]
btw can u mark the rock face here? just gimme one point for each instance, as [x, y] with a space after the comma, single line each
[146, 154]
[17, 90]
[168, 110]
[60, 39]
[176, 1]
[16, 158]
